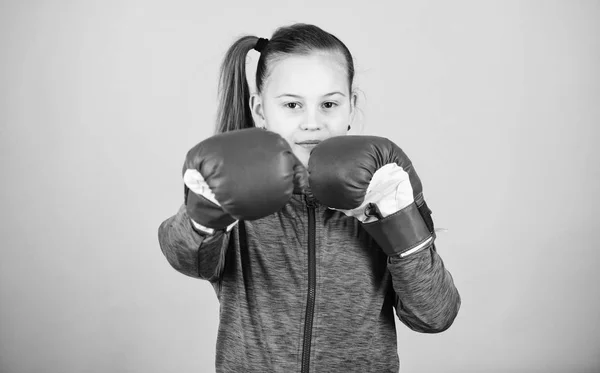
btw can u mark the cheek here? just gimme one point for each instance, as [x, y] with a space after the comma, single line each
[280, 123]
[339, 121]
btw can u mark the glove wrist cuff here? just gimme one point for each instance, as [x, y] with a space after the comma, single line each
[401, 233]
[206, 213]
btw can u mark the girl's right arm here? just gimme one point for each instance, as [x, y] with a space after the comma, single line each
[190, 251]
[239, 175]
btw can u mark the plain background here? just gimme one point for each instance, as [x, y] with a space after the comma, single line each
[496, 102]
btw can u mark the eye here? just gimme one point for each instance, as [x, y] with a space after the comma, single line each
[292, 105]
[329, 105]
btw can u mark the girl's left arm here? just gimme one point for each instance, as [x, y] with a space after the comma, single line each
[426, 299]
[386, 195]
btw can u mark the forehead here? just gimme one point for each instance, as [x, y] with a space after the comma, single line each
[313, 74]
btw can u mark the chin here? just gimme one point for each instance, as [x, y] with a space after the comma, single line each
[304, 160]
[301, 154]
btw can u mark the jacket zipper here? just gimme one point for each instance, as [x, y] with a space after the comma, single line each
[312, 279]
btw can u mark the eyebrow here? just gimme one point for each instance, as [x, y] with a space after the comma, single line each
[297, 96]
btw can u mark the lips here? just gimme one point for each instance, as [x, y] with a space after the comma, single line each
[308, 144]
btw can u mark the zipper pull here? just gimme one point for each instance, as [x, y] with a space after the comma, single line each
[310, 200]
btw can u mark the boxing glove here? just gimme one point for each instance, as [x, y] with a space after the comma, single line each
[242, 175]
[372, 179]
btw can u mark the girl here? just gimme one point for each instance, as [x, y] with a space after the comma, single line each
[308, 272]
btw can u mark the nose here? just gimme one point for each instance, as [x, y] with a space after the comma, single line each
[312, 121]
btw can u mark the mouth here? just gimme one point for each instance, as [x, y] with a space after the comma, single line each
[308, 144]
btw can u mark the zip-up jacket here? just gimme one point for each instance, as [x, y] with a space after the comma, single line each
[307, 289]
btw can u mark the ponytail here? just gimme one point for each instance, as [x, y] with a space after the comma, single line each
[234, 112]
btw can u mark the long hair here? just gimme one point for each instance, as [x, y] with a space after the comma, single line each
[234, 111]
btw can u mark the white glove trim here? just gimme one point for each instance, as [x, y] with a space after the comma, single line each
[207, 230]
[195, 182]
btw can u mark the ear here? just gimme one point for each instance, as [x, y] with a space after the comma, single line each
[257, 109]
[353, 99]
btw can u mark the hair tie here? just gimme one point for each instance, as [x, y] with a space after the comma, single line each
[261, 44]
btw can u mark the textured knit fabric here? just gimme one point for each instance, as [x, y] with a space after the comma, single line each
[259, 271]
